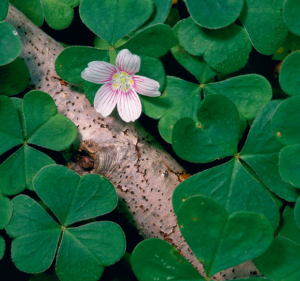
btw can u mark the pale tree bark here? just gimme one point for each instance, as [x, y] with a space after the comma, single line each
[144, 175]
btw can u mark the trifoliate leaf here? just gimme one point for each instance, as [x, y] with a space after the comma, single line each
[118, 17]
[291, 10]
[223, 184]
[73, 60]
[264, 23]
[214, 13]
[281, 261]
[10, 42]
[214, 135]
[261, 153]
[155, 259]
[83, 251]
[14, 77]
[57, 13]
[289, 74]
[226, 50]
[288, 227]
[220, 240]
[154, 41]
[194, 64]
[3, 9]
[38, 123]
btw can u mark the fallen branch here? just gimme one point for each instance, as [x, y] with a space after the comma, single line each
[144, 175]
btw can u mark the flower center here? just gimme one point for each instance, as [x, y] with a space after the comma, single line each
[122, 81]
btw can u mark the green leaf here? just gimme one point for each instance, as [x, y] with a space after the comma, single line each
[281, 261]
[44, 125]
[285, 123]
[94, 194]
[261, 153]
[101, 44]
[3, 9]
[82, 251]
[223, 184]
[291, 10]
[73, 60]
[10, 42]
[10, 129]
[2, 247]
[215, 135]
[194, 64]
[220, 240]
[289, 228]
[100, 243]
[155, 259]
[160, 13]
[57, 13]
[249, 92]
[5, 212]
[297, 212]
[36, 234]
[179, 99]
[264, 23]
[226, 50]
[154, 41]
[14, 77]
[19, 169]
[118, 17]
[289, 75]
[289, 164]
[214, 13]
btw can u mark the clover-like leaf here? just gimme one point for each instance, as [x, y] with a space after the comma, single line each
[291, 10]
[289, 74]
[83, 251]
[3, 9]
[14, 77]
[214, 13]
[226, 50]
[261, 153]
[154, 41]
[194, 64]
[118, 17]
[220, 240]
[264, 23]
[281, 261]
[57, 13]
[288, 227]
[215, 135]
[10, 43]
[36, 122]
[155, 259]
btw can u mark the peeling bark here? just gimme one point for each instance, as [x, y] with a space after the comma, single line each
[144, 175]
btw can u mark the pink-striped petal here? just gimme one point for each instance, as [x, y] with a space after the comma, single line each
[106, 99]
[128, 62]
[146, 86]
[129, 105]
[99, 72]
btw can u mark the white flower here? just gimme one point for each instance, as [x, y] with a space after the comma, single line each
[120, 85]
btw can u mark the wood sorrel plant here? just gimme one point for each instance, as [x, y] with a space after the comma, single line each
[226, 116]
